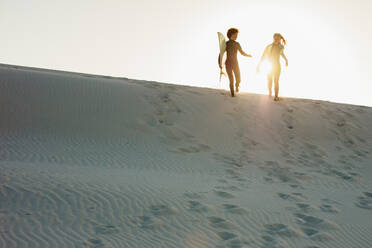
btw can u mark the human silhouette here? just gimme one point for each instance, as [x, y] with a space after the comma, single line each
[272, 53]
[232, 65]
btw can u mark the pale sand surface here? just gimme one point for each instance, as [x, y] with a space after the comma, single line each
[94, 161]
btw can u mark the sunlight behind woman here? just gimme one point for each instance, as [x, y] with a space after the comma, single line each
[266, 67]
[322, 61]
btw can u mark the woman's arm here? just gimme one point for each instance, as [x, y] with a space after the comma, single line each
[264, 54]
[285, 58]
[242, 52]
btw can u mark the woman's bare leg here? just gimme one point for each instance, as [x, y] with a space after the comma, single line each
[276, 81]
[270, 83]
[276, 73]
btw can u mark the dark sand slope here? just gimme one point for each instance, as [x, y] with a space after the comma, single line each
[95, 161]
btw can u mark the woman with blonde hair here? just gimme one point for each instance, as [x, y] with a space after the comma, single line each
[272, 53]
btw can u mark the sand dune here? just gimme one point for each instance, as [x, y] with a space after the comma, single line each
[96, 161]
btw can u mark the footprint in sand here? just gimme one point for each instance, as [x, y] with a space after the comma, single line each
[306, 208]
[229, 238]
[316, 223]
[314, 227]
[196, 206]
[330, 201]
[360, 139]
[235, 175]
[193, 195]
[271, 163]
[165, 98]
[365, 201]
[295, 197]
[224, 194]
[339, 174]
[283, 175]
[250, 144]
[296, 186]
[282, 230]
[360, 154]
[222, 180]
[106, 229]
[218, 222]
[316, 152]
[234, 209]
[228, 160]
[229, 188]
[316, 235]
[232, 172]
[226, 235]
[148, 222]
[237, 243]
[162, 210]
[309, 231]
[273, 242]
[239, 179]
[322, 237]
[190, 149]
[288, 120]
[94, 243]
[328, 209]
[195, 149]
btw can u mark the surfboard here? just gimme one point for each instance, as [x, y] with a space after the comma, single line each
[222, 44]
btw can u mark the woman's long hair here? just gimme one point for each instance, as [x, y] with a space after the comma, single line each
[282, 40]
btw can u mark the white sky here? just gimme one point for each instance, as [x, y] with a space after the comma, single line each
[329, 41]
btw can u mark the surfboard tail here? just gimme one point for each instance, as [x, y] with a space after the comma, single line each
[222, 57]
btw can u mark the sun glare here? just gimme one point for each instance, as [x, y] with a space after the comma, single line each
[312, 45]
[265, 67]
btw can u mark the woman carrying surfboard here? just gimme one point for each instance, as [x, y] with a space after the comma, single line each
[272, 53]
[232, 65]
